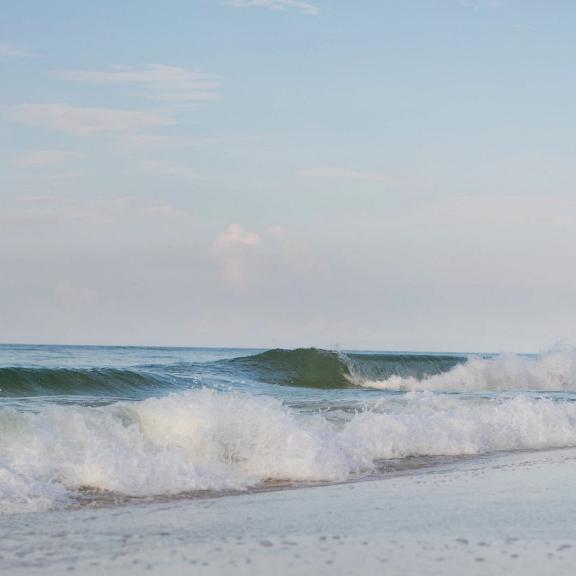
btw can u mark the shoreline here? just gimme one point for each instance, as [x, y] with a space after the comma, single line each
[510, 512]
[401, 467]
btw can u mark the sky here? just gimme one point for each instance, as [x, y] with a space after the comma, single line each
[378, 174]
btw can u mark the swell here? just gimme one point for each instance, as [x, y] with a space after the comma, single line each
[26, 381]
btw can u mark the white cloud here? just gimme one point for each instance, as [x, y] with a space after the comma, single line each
[81, 121]
[159, 82]
[299, 5]
[13, 51]
[39, 158]
[236, 235]
[250, 261]
[233, 250]
[341, 174]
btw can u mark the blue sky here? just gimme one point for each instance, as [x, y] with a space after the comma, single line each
[374, 174]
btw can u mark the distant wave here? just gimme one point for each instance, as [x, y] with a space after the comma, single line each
[208, 440]
[25, 381]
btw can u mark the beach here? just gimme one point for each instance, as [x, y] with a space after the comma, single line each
[496, 514]
[287, 288]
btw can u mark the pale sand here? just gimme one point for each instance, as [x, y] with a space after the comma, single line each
[513, 514]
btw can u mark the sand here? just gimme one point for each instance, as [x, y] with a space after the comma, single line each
[505, 513]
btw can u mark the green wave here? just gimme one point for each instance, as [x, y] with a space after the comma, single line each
[308, 367]
[303, 367]
[24, 381]
[316, 368]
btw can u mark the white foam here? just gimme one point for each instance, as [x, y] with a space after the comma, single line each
[552, 371]
[203, 439]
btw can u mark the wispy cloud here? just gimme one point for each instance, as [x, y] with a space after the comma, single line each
[342, 174]
[298, 5]
[13, 51]
[39, 158]
[167, 168]
[158, 81]
[81, 121]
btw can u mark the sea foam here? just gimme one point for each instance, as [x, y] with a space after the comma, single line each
[551, 371]
[208, 440]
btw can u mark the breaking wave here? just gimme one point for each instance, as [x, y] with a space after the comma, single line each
[553, 371]
[314, 368]
[209, 440]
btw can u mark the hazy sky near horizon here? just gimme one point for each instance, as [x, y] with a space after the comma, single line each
[373, 174]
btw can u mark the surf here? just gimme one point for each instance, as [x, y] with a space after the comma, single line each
[205, 440]
[551, 371]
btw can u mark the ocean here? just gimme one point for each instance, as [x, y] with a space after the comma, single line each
[89, 426]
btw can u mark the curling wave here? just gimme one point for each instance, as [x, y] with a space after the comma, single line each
[316, 368]
[306, 367]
